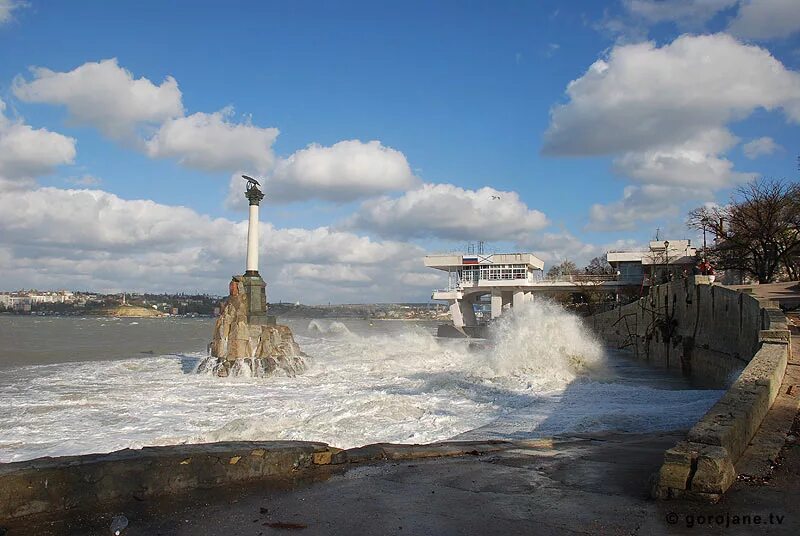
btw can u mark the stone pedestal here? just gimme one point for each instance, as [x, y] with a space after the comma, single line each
[255, 291]
[246, 340]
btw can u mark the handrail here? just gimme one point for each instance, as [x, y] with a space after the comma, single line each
[581, 278]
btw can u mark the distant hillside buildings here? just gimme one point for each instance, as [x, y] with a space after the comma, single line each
[67, 302]
[23, 300]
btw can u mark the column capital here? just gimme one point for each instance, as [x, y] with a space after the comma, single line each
[254, 195]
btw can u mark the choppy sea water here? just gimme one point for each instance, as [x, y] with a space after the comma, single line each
[366, 382]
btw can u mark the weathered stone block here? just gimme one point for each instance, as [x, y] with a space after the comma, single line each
[367, 453]
[715, 472]
[325, 457]
[774, 335]
[677, 469]
[674, 475]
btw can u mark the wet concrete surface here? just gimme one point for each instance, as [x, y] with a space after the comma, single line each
[578, 486]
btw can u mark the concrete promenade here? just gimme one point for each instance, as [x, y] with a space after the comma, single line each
[578, 485]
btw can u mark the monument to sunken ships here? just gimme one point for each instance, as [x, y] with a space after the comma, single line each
[246, 339]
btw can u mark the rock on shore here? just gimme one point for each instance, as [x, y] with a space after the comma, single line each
[239, 347]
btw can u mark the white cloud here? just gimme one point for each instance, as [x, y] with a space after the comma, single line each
[766, 19]
[7, 8]
[555, 247]
[104, 95]
[85, 180]
[26, 152]
[647, 95]
[449, 212]
[94, 239]
[760, 147]
[663, 114]
[694, 163]
[97, 221]
[643, 203]
[107, 97]
[686, 13]
[211, 142]
[338, 273]
[345, 171]
[429, 279]
[759, 20]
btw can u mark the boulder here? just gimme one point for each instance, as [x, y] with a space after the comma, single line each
[239, 347]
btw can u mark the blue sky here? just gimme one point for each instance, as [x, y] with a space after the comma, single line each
[456, 96]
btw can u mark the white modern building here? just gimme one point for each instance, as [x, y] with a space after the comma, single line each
[662, 260]
[506, 277]
[510, 279]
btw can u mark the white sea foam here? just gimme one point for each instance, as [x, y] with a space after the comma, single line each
[365, 383]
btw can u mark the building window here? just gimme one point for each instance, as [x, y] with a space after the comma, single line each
[493, 272]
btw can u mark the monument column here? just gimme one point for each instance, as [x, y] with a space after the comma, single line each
[253, 285]
[254, 196]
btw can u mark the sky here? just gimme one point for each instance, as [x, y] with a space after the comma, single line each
[381, 131]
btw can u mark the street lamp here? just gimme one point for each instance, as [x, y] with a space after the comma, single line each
[666, 260]
[704, 223]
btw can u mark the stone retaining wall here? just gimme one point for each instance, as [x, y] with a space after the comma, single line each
[77, 482]
[709, 332]
[94, 482]
[717, 336]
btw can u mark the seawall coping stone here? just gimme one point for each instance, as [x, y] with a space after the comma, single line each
[55, 484]
[90, 481]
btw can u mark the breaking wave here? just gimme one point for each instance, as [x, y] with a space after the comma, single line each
[329, 328]
[542, 373]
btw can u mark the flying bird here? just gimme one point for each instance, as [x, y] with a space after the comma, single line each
[495, 197]
[251, 180]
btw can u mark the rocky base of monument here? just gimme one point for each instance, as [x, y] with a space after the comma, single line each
[240, 347]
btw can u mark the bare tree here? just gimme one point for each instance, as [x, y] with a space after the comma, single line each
[758, 232]
[565, 268]
[598, 266]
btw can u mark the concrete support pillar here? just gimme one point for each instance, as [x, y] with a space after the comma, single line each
[462, 312]
[455, 314]
[497, 303]
[529, 296]
[468, 311]
[507, 298]
[519, 298]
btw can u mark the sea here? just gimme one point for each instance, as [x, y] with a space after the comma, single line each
[73, 385]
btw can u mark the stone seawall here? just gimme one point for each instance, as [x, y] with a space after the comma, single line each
[718, 337]
[708, 332]
[63, 486]
[80, 482]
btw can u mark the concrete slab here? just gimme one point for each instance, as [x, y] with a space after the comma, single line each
[588, 486]
[786, 294]
[573, 486]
